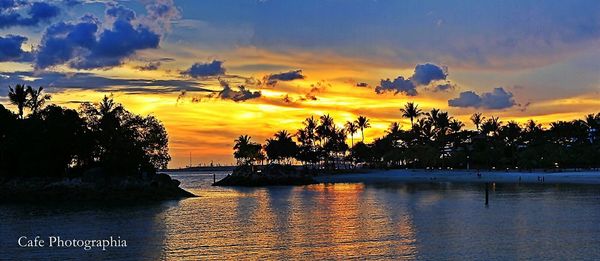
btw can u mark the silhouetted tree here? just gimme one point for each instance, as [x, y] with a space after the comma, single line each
[37, 99]
[308, 150]
[477, 119]
[58, 142]
[18, 97]
[439, 140]
[351, 128]
[363, 123]
[411, 111]
[247, 152]
[281, 147]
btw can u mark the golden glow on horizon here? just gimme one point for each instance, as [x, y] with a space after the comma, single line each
[207, 128]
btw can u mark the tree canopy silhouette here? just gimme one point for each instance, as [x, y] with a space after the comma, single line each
[438, 140]
[53, 141]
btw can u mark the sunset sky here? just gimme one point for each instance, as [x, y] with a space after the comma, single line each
[184, 61]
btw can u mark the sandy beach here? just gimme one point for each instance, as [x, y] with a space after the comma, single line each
[419, 176]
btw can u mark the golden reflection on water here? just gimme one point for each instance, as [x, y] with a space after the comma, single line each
[311, 222]
[342, 221]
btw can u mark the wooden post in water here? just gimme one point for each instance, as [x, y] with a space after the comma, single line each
[214, 178]
[487, 192]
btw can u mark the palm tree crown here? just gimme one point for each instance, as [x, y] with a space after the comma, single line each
[351, 128]
[411, 111]
[37, 99]
[18, 97]
[363, 123]
[477, 119]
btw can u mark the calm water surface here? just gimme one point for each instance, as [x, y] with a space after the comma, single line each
[386, 221]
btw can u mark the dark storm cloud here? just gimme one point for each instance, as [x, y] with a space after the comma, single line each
[497, 99]
[214, 68]
[10, 49]
[37, 13]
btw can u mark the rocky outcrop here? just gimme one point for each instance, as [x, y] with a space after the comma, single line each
[272, 175]
[96, 187]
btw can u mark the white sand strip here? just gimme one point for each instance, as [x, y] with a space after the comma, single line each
[384, 176]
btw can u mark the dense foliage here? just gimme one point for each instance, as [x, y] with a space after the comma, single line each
[54, 141]
[436, 140]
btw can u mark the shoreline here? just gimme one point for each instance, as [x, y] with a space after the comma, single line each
[106, 189]
[464, 176]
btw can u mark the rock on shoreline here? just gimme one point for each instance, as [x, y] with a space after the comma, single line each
[258, 181]
[273, 175]
[160, 187]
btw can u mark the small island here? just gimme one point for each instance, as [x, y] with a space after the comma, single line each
[270, 175]
[100, 152]
[436, 148]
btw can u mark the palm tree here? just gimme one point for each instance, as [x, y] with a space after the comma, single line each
[363, 123]
[492, 125]
[246, 151]
[241, 141]
[456, 125]
[308, 151]
[510, 132]
[433, 114]
[477, 119]
[394, 130]
[351, 128]
[308, 133]
[411, 111]
[281, 147]
[592, 121]
[441, 121]
[325, 129]
[37, 100]
[18, 97]
[532, 127]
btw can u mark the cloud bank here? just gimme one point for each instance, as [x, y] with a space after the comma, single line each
[398, 85]
[55, 81]
[423, 75]
[497, 99]
[272, 79]
[37, 13]
[426, 73]
[10, 49]
[242, 94]
[85, 45]
[214, 68]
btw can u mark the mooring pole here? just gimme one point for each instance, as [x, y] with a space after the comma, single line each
[214, 178]
[487, 193]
